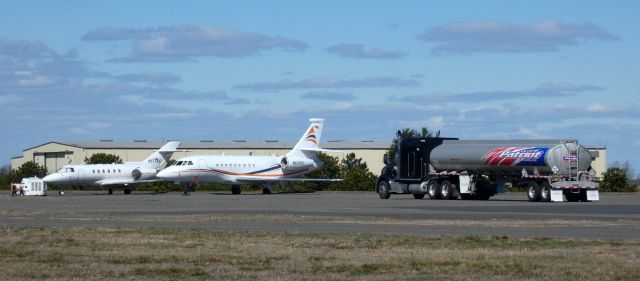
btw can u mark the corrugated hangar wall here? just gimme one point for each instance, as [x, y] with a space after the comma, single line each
[54, 155]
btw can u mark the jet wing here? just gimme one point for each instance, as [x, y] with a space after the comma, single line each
[123, 181]
[262, 179]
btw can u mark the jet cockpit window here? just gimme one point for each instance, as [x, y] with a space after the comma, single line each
[178, 163]
[190, 163]
[69, 170]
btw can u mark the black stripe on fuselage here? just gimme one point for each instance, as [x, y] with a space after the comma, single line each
[264, 170]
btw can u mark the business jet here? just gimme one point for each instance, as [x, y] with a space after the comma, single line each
[237, 170]
[108, 176]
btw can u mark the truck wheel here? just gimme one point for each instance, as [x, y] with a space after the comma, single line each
[433, 189]
[126, 191]
[418, 196]
[483, 196]
[583, 196]
[383, 190]
[533, 192]
[572, 197]
[445, 190]
[545, 192]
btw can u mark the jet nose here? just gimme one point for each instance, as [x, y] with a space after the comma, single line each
[53, 178]
[164, 174]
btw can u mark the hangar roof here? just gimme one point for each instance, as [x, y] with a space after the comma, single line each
[239, 144]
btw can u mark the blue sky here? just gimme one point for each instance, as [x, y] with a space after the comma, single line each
[256, 70]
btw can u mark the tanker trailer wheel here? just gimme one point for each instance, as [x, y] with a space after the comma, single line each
[533, 191]
[545, 192]
[446, 189]
[433, 189]
[383, 190]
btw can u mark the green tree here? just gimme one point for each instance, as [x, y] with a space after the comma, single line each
[4, 176]
[103, 158]
[28, 169]
[330, 170]
[615, 179]
[356, 174]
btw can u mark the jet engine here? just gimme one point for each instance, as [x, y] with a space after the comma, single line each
[142, 174]
[292, 163]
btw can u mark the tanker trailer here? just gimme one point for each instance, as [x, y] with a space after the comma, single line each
[449, 168]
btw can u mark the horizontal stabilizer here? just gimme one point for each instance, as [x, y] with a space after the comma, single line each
[318, 149]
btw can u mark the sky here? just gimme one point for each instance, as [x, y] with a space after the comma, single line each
[258, 70]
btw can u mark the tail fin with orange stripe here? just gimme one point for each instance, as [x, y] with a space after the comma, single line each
[310, 139]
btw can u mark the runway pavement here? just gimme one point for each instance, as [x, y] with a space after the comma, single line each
[615, 216]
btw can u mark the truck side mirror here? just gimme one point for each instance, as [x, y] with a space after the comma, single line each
[385, 159]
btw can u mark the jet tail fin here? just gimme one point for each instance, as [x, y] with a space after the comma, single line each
[160, 157]
[310, 139]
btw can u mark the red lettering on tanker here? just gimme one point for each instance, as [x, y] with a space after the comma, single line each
[515, 156]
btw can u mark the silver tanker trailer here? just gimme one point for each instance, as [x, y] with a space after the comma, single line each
[449, 168]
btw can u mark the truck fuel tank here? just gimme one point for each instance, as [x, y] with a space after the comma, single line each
[510, 156]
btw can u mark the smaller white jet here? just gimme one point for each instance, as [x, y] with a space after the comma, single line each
[236, 170]
[108, 176]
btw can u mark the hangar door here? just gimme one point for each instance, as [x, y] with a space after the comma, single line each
[53, 160]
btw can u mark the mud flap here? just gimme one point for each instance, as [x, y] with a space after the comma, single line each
[556, 195]
[593, 195]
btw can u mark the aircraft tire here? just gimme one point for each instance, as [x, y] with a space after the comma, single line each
[235, 190]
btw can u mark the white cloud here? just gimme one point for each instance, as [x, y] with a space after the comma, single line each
[544, 90]
[187, 42]
[36, 81]
[343, 105]
[330, 82]
[498, 37]
[599, 107]
[358, 51]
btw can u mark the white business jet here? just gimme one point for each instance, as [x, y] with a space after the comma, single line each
[237, 170]
[108, 176]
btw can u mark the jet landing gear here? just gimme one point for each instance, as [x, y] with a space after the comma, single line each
[268, 189]
[61, 192]
[235, 189]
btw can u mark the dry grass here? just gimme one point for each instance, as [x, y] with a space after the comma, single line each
[135, 254]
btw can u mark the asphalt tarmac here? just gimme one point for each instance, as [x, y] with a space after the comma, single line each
[614, 217]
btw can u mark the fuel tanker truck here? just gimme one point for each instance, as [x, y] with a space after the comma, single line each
[449, 168]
